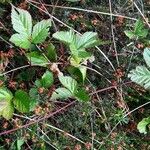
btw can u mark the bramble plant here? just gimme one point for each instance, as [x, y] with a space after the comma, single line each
[26, 34]
[78, 45]
[27, 37]
[141, 75]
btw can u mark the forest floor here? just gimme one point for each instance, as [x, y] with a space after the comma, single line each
[108, 121]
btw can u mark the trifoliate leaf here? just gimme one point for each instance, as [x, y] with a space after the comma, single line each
[146, 56]
[22, 21]
[22, 101]
[47, 79]
[61, 93]
[141, 76]
[82, 95]
[40, 31]
[20, 40]
[37, 58]
[142, 125]
[69, 83]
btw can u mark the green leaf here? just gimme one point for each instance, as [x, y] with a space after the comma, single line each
[37, 58]
[79, 73]
[38, 83]
[20, 40]
[143, 124]
[87, 40]
[47, 79]
[82, 95]
[75, 61]
[20, 142]
[146, 56]
[143, 33]
[78, 44]
[22, 21]
[61, 93]
[6, 106]
[139, 29]
[6, 109]
[138, 25]
[129, 34]
[40, 31]
[51, 52]
[83, 71]
[69, 83]
[141, 76]
[5, 94]
[84, 54]
[34, 95]
[22, 101]
[65, 36]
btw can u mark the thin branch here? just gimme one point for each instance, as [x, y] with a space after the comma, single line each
[38, 120]
[86, 10]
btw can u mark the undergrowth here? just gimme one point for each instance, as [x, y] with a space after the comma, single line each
[74, 75]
